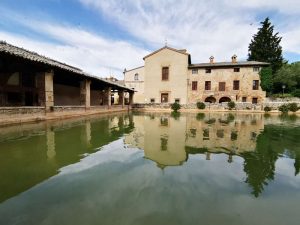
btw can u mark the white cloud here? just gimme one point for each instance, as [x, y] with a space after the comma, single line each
[77, 47]
[203, 27]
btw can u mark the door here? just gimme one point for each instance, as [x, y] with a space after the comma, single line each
[164, 98]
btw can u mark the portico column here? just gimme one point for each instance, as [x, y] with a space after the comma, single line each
[49, 96]
[109, 97]
[131, 98]
[121, 98]
[85, 93]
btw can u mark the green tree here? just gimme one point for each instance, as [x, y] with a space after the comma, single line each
[289, 75]
[265, 46]
[266, 79]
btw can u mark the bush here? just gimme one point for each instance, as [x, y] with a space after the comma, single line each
[296, 93]
[267, 109]
[231, 105]
[175, 106]
[200, 105]
[283, 108]
[293, 107]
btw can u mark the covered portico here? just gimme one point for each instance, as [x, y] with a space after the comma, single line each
[30, 82]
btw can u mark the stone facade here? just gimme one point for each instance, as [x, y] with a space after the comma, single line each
[188, 83]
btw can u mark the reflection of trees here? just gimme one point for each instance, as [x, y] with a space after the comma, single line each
[272, 142]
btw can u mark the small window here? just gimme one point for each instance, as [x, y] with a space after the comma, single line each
[255, 84]
[244, 99]
[194, 71]
[177, 100]
[222, 86]
[236, 70]
[136, 76]
[194, 85]
[152, 100]
[207, 85]
[164, 98]
[236, 85]
[254, 101]
[207, 70]
[165, 73]
[256, 69]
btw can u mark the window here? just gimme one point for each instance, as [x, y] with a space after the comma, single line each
[164, 98]
[207, 85]
[255, 84]
[136, 76]
[207, 70]
[222, 86]
[177, 100]
[165, 73]
[152, 100]
[236, 70]
[236, 85]
[254, 100]
[256, 69]
[194, 71]
[244, 99]
[194, 85]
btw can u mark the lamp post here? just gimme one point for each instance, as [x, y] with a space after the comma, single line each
[283, 87]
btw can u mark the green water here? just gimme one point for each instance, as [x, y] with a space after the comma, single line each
[152, 169]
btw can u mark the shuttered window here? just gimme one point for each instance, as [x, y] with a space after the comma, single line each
[194, 85]
[236, 85]
[222, 86]
[165, 73]
[207, 85]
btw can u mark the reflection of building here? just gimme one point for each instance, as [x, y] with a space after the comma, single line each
[168, 141]
[168, 76]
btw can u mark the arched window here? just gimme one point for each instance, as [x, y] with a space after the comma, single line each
[136, 76]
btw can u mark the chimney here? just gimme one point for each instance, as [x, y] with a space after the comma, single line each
[211, 59]
[234, 58]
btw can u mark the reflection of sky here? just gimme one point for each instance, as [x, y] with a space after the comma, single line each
[118, 186]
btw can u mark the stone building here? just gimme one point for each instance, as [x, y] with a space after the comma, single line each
[169, 76]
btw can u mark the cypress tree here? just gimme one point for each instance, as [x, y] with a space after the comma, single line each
[265, 46]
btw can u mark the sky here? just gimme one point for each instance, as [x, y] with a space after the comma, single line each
[103, 37]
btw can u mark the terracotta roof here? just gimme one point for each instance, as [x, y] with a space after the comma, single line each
[228, 64]
[33, 56]
[183, 51]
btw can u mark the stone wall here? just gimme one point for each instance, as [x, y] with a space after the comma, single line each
[227, 75]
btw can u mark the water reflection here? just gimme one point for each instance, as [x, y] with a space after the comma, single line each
[32, 153]
[260, 141]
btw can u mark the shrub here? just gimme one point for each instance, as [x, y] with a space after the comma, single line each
[200, 105]
[267, 109]
[296, 93]
[283, 108]
[293, 107]
[175, 106]
[231, 105]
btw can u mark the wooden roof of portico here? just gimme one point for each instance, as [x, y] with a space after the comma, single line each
[9, 49]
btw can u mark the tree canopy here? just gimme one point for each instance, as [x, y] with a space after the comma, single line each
[265, 46]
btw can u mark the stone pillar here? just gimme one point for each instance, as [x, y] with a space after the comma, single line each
[207, 155]
[131, 98]
[49, 96]
[121, 98]
[108, 96]
[85, 93]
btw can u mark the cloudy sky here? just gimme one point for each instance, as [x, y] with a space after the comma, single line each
[103, 37]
